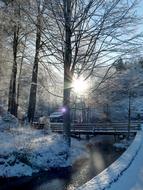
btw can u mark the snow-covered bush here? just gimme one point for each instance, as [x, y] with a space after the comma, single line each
[24, 151]
[7, 120]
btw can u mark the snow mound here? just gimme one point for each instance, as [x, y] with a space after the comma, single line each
[18, 169]
[123, 144]
[24, 151]
[7, 120]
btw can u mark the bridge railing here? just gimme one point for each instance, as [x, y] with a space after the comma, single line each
[97, 127]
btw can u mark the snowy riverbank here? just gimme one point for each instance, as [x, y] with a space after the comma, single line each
[24, 151]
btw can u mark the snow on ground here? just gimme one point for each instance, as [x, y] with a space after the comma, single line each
[9, 119]
[124, 170]
[123, 144]
[132, 178]
[24, 151]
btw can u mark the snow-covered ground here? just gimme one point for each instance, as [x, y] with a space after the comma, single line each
[132, 178]
[123, 144]
[24, 151]
[126, 173]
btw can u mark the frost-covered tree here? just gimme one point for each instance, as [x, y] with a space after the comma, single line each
[88, 35]
[33, 88]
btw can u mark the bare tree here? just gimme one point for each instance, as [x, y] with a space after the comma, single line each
[12, 104]
[16, 29]
[33, 89]
[20, 71]
[88, 36]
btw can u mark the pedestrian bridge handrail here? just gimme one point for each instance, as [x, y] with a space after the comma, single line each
[97, 127]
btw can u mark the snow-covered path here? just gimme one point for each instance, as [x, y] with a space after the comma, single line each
[132, 178]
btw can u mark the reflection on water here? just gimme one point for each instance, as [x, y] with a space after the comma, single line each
[101, 156]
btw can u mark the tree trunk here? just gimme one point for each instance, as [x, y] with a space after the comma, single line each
[18, 84]
[33, 89]
[67, 119]
[67, 72]
[20, 72]
[12, 104]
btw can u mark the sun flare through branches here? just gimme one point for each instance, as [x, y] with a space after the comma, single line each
[79, 86]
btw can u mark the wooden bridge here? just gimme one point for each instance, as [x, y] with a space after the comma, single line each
[112, 128]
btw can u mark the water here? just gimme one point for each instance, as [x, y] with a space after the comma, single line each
[101, 156]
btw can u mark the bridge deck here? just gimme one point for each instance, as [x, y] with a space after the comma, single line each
[98, 128]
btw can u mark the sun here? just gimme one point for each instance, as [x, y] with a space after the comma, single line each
[79, 86]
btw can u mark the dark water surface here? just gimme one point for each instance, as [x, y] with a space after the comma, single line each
[101, 156]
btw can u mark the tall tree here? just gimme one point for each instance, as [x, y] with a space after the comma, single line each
[20, 71]
[90, 33]
[67, 69]
[12, 103]
[33, 89]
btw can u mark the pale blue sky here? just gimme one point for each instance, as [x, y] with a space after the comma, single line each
[140, 8]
